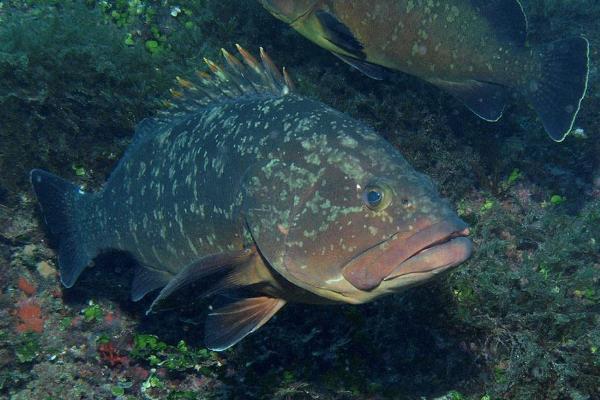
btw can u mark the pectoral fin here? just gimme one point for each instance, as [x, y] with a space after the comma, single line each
[339, 35]
[486, 100]
[202, 268]
[229, 324]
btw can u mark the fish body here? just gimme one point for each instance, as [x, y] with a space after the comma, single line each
[279, 194]
[474, 49]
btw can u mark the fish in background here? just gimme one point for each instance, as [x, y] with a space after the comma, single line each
[281, 197]
[473, 49]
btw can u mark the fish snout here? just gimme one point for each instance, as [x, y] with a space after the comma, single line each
[431, 250]
[435, 249]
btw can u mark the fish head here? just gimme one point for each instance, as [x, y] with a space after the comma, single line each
[354, 222]
[289, 11]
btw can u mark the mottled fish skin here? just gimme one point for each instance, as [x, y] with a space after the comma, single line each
[462, 46]
[179, 195]
[429, 39]
[291, 198]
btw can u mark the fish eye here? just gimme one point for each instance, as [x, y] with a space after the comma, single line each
[374, 197]
[377, 196]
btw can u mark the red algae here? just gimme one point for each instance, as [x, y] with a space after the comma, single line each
[30, 317]
[110, 354]
[26, 287]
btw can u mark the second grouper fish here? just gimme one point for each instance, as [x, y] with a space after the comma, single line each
[473, 49]
[283, 197]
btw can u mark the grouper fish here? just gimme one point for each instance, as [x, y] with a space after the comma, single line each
[473, 49]
[275, 197]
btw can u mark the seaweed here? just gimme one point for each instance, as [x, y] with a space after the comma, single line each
[68, 91]
[532, 292]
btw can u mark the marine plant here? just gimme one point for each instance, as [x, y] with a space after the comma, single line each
[180, 357]
[92, 313]
[67, 87]
[27, 350]
[532, 287]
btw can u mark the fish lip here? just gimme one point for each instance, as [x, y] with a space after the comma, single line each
[450, 249]
[389, 259]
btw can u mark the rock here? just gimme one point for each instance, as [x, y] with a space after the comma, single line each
[28, 251]
[46, 270]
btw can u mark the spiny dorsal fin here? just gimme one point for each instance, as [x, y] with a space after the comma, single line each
[233, 79]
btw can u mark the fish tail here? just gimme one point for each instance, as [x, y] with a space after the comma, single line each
[64, 207]
[557, 92]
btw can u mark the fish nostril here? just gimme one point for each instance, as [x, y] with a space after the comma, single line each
[406, 203]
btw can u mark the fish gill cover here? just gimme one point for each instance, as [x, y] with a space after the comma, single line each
[517, 321]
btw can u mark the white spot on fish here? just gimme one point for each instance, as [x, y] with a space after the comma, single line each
[349, 142]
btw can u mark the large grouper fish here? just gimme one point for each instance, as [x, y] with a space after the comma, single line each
[283, 197]
[473, 49]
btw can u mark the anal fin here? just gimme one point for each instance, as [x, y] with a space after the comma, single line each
[486, 100]
[229, 324]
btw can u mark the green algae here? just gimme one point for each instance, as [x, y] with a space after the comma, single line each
[28, 348]
[531, 289]
[50, 104]
[179, 358]
[93, 313]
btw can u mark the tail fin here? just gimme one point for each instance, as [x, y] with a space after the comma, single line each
[556, 95]
[62, 204]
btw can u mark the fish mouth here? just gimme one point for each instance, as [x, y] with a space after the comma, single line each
[431, 250]
[436, 257]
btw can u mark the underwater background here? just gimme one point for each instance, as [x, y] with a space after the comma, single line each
[519, 320]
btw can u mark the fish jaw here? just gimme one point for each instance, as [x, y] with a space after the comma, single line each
[436, 259]
[401, 260]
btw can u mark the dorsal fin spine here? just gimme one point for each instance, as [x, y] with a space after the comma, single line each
[253, 74]
[184, 83]
[288, 80]
[238, 69]
[226, 77]
[270, 71]
[248, 59]
[234, 79]
[209, 86]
